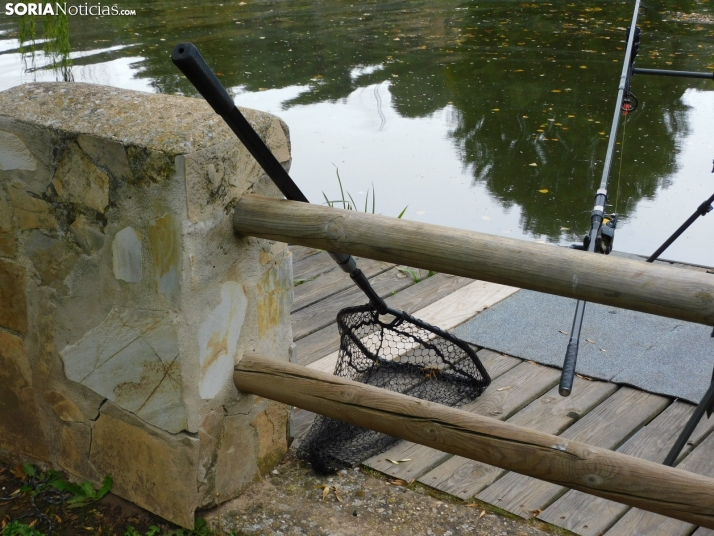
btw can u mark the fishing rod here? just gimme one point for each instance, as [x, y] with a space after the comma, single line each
[602, 226]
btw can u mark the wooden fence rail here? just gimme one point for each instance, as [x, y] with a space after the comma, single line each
[633, 481]
[662, 290]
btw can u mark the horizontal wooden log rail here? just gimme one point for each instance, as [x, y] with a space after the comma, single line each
[657, 289]
[633, 481]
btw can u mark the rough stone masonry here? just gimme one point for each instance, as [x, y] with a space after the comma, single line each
[126, 298]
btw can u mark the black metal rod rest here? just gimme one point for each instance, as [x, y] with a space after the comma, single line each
[681, 74]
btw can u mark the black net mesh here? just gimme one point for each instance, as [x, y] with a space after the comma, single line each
[399, 353]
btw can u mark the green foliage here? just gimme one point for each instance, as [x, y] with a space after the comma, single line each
[17, 528]
[82, 493]
[348, 203]
[415, 275]
[79, 494]
[55, 42]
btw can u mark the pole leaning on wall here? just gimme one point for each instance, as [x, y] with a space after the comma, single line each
[657, 289]
[633, 481]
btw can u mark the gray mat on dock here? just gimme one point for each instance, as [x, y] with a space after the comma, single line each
[653, 353]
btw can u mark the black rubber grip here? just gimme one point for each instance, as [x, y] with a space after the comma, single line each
[568, 375]
[188, 59]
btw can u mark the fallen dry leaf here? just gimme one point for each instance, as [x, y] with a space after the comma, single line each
[18, 472]
[504, 388]
[590, 341]
[483, 513]
[563, 332]
[325, 492]
[337, 495]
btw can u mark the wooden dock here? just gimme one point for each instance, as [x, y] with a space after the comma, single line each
[599, 413]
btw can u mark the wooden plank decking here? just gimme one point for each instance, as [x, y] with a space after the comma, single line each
[522, 392]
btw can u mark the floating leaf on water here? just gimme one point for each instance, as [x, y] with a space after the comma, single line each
[571, 116]
[525, 117]
[565, 228]
[583, 66]
[533, 164]
[601, 133]
[518, 71]
[539, 130]
[555, 91]
[496, 109]
[544, 191]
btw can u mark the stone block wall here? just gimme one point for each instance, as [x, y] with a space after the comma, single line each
[126, 298]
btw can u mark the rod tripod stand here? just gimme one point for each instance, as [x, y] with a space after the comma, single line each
[707, 402]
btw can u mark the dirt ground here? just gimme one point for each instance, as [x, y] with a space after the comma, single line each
[293, 500]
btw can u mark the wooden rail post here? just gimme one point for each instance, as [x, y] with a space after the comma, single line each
[656, 289]
[633, 481]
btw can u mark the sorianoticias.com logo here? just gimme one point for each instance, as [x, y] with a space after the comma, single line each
[65, 9]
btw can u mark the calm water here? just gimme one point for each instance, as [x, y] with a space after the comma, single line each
[491, 116]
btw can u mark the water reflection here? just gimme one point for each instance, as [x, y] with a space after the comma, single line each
[491, 103]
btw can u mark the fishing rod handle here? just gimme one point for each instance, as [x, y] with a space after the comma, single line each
[189, 60]
[567, 376]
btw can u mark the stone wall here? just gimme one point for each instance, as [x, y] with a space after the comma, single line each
[126, 298]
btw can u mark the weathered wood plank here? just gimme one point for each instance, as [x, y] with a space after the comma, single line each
[506, 395]
[302, 252]
[649, 288]
[701, 531]
[447, 313]
[687, 496]
[607, 426]
[497, 364]
[591, 516]
[313, 265]
[426, 292]
[331, 282]
[317, 345]
[323, 313]
[550, 413]
[642, 523]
